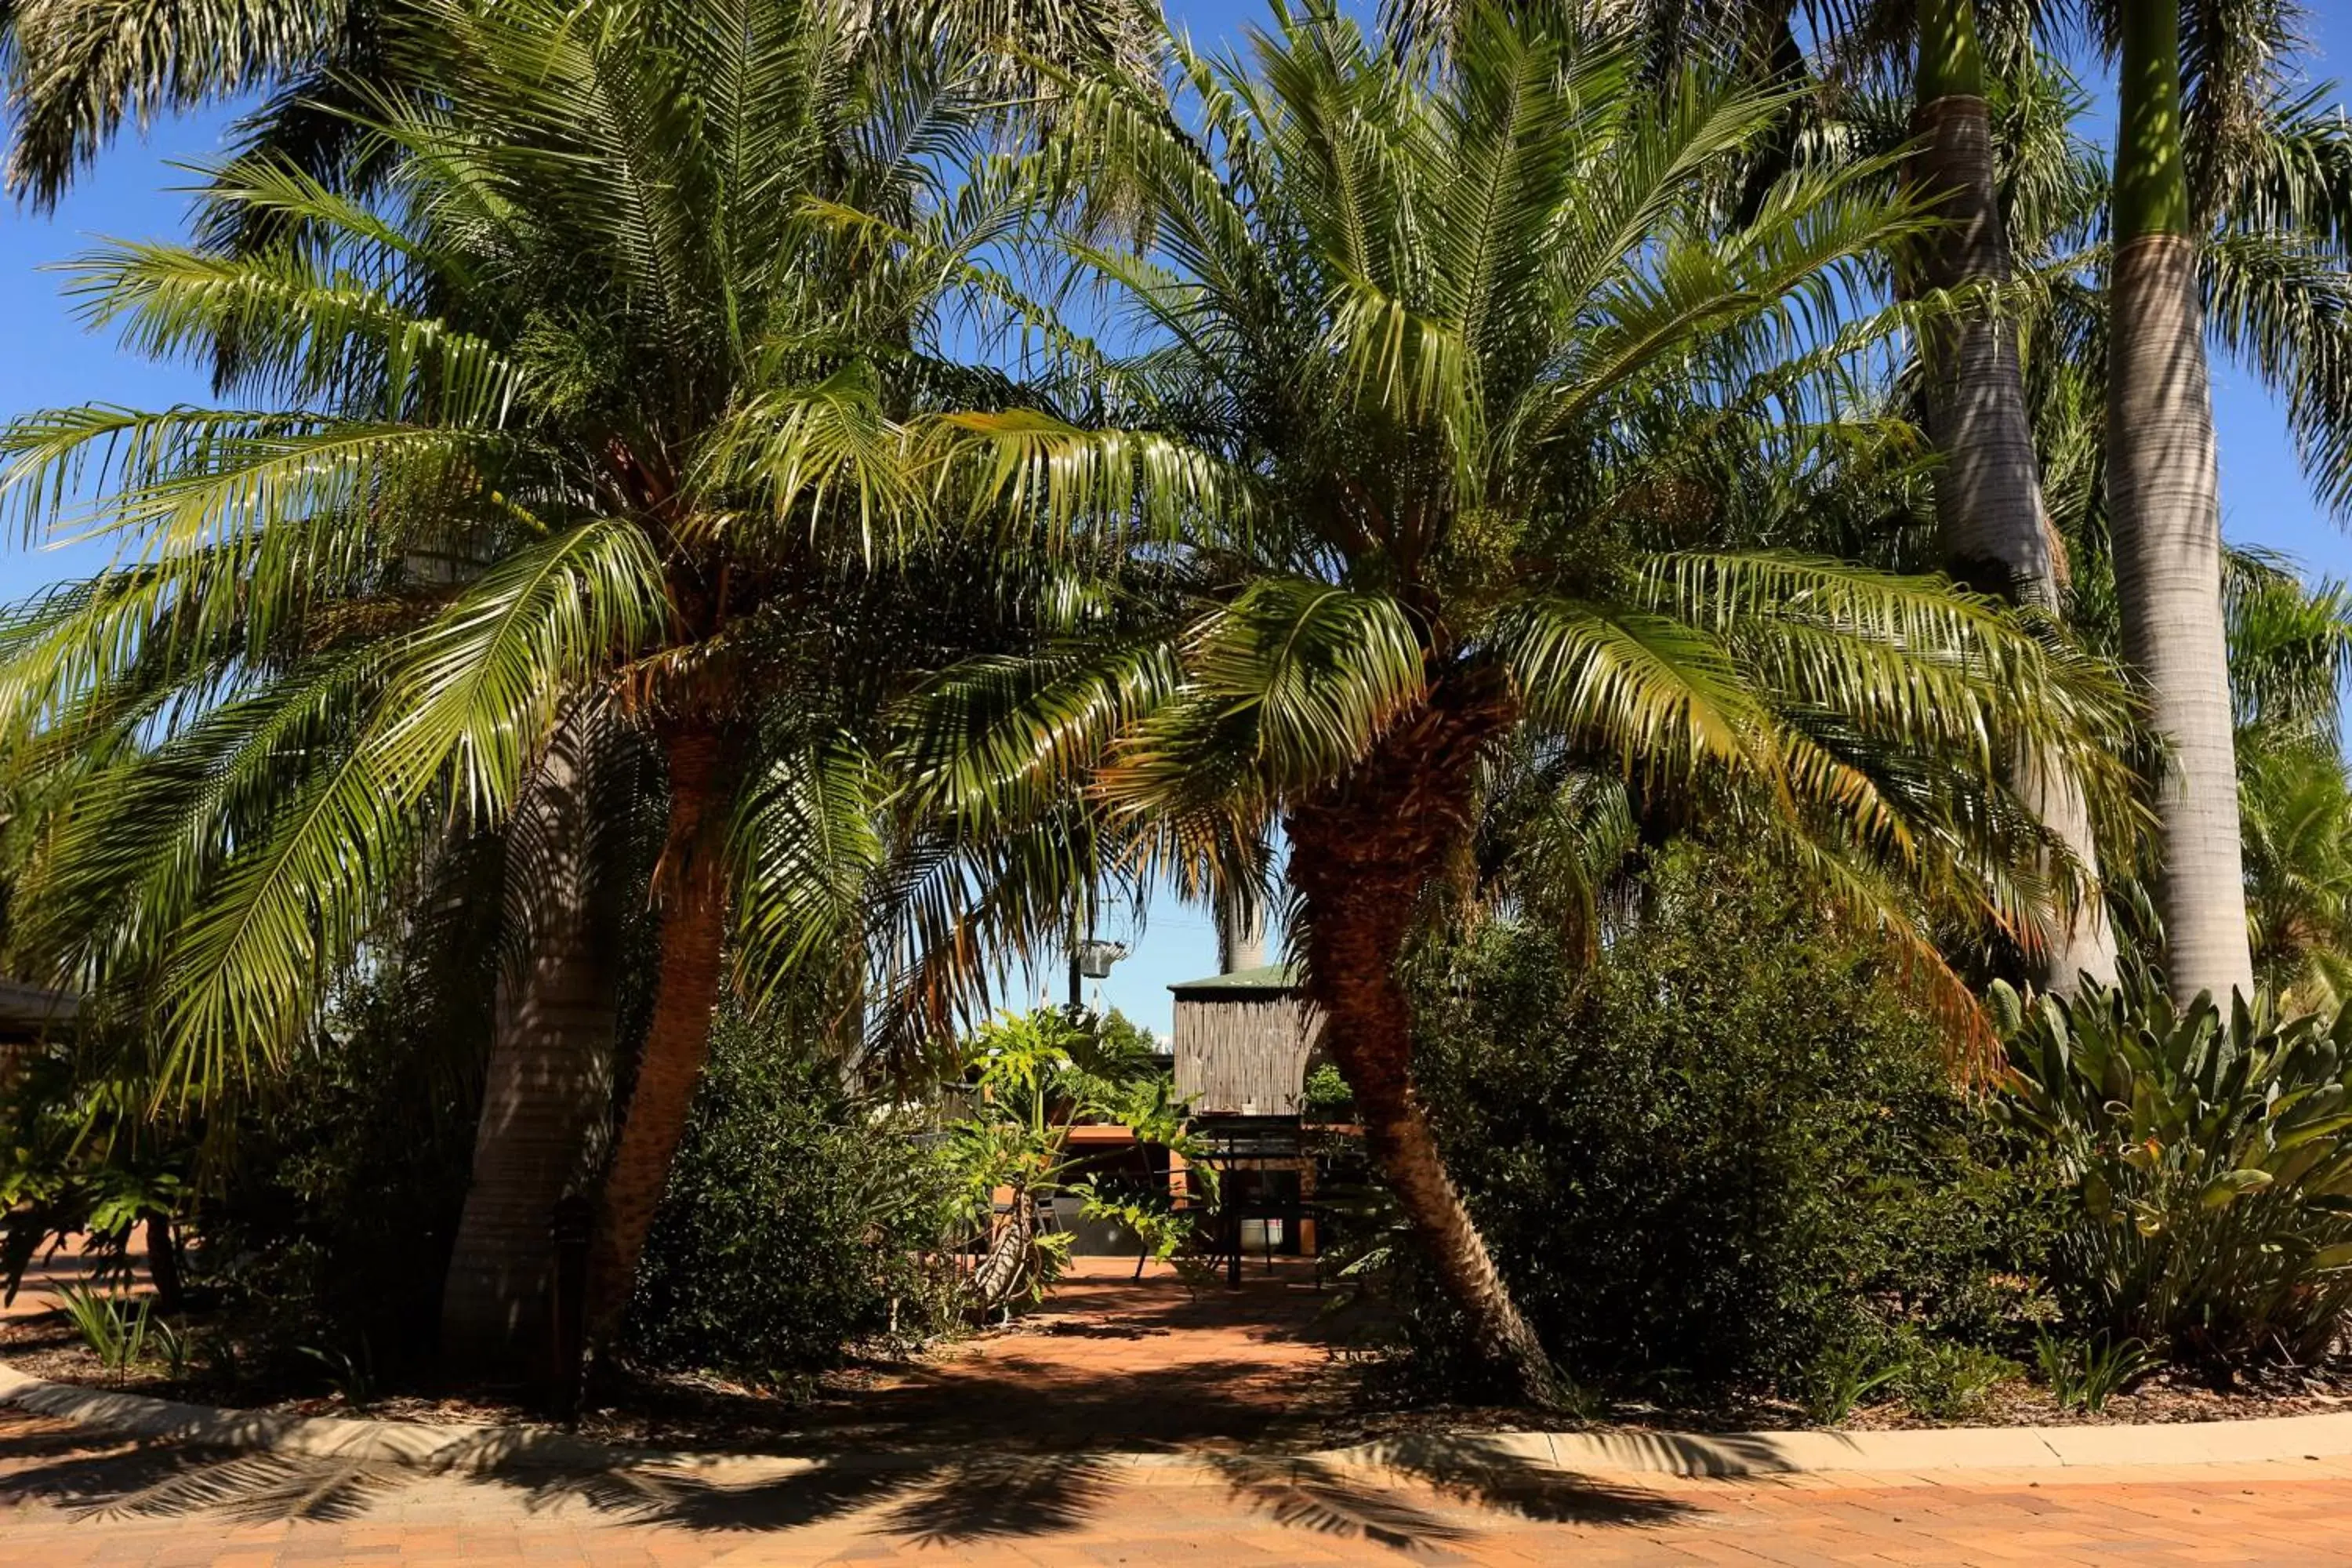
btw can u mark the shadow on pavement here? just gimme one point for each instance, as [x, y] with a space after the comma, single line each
[1476, 1470]
[1307, 1494]
[941, 1499]
[1003, 1495]
[1311, 1494]
[84, 1477]
[657, 1495]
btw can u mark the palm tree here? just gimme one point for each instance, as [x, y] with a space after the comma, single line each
[1453, 356]
[2164, 512]
[555, 1042]
[75, 71]
[2266, 183]
[1993, 529]
[2290, 653]
[607, 394]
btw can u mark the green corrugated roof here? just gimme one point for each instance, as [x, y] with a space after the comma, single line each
[1266, 978]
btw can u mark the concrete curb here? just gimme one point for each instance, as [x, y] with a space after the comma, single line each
[483, 1447]
[438, 1448]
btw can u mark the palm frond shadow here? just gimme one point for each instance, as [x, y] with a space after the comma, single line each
[651, 1496]
[259, 1488]
[1307, 1494]
[148, 1480]
[999, 1495]
[81, 1477]
[1476, 1471]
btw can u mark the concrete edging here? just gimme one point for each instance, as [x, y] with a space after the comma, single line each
[481, 1447]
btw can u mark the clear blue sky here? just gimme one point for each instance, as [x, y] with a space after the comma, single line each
[51, 360]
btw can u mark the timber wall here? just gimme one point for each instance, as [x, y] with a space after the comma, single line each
[1244, 1056]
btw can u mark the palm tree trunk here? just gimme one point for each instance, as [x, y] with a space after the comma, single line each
[164, 1262]
[1990, 521]
[692, 883]
[2164, 512]
[548, 1075]
[1362, 855]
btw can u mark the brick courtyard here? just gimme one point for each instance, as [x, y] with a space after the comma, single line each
[1013, 1474]
[66, 1500]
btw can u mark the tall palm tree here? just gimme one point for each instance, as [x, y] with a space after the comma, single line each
[609, 389]
[2269, 183]
[1452, 354]
[1993, 529]
[2164, 510]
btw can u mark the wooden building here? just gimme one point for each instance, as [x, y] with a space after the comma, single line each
[28, 1014]
[1243, 1041]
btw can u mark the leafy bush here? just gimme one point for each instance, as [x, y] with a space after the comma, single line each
[2207, 1163]
[1328, 1098]
[798, 1220]
[1727, 1152]
[322, 1199]
[1033, 1077]
[1946, 1379]
[328, 1209]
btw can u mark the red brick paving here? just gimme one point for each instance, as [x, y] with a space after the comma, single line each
[1125, 1365]
[68, 1500]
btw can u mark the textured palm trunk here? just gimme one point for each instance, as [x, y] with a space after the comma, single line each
[1362, 856]
[1001, 1267]
[1990, 521]
[546, 1081]
[693, 890]
[2164, 512]
[163, 1263]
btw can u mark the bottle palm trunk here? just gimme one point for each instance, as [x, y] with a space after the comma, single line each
[548, 1079]
[2164, 512]
[1362, 854]
[1991, 525]
[693, 881]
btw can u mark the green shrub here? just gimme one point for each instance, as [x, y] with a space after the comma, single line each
[1947, 1378]
[1727, 1152]
[2207, 1164]
[327, 1215]
[1328, 1098]
[797, 1222]
[320, 1199]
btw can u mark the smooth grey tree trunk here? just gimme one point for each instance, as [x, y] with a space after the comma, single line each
[2164, 510]
[1241, 936]
[1991, 525]
[549, 1080]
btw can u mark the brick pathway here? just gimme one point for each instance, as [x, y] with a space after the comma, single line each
[1007, 1481]
[1111, 1361]
[66, 1500]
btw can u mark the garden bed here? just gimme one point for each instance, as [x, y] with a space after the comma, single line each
[1110, 1365]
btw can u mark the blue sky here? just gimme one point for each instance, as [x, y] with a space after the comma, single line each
[50, 361]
